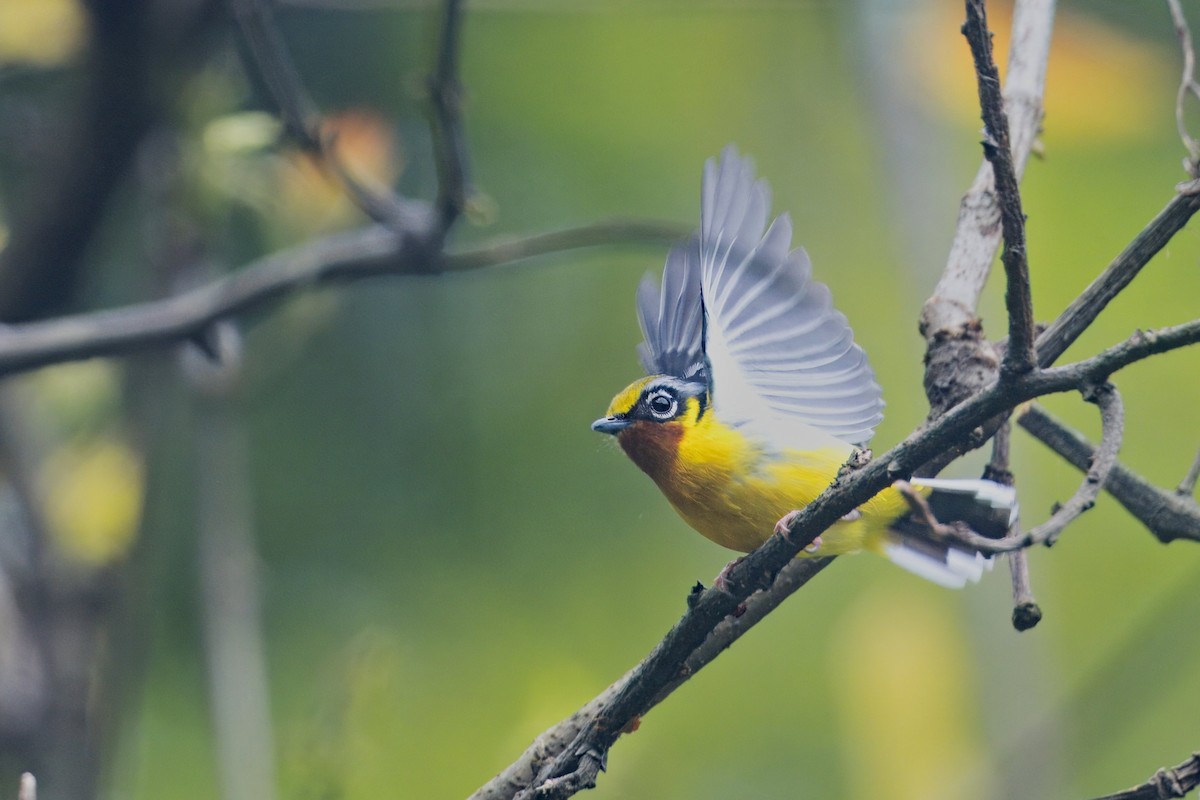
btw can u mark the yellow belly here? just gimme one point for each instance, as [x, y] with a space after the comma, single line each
[733, 493]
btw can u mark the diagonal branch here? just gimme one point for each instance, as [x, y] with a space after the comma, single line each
[1124, 268]
[1175, 782]
[1165, 514]
[1018, 356]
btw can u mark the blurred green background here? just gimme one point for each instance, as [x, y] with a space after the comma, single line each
[450, 560]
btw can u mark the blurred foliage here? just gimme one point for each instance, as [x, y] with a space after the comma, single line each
[451, 561]
[44, 33]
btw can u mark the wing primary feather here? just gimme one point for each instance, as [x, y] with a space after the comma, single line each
[778, 351]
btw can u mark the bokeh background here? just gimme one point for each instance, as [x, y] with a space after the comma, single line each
[447, 559]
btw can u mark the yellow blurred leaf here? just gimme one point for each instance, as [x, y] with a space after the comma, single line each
[41, 32]
[92, 497]
[901, 680]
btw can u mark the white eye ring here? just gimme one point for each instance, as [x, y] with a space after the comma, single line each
[660, 409]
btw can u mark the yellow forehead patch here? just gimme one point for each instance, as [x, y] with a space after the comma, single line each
[624, 402]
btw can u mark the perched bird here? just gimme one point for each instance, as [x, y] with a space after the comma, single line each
[757, 394]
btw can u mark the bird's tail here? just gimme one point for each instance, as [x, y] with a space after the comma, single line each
[989, 508]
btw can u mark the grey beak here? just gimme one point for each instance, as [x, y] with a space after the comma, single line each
[611, 425]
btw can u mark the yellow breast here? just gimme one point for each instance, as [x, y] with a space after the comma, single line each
[733, 491]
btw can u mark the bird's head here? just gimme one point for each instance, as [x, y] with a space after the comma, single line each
[650, 416]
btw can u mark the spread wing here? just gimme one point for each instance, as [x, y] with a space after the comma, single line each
[672, 318]
[778, 352]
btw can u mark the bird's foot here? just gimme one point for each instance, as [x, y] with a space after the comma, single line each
[722, 580]
[784, 527]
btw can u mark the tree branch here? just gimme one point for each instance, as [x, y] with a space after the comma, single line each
[1167, 515]
[1124, 268]
[449, 140]
[1175, 782]
[1018, 356]
[345, 256]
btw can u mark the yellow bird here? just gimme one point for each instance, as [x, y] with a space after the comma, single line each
[757, 394]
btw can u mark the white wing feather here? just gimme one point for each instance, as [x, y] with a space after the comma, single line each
[782, 361]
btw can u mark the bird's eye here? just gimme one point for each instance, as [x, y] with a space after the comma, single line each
[662, 405]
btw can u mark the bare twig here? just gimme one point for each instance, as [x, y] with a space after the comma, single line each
[1026, 612]
[1175, 782]
[1087, 306]
[302, 121]
[345, 256]
[1167, 515]
[1187, 85]
[1018, 356]
[1187, 486]
[449, 140]
[1112, 423]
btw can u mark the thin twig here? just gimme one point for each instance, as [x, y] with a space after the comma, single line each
[1112, 423]
[1175, 782]
[352, 255]
[1187, 85]
[449, 140]
[1187, 486]
[1019, 355]
[302, 120]
[1084, 309]
[1026, 612]
[1167, 515]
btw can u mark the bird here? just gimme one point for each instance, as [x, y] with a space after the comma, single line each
[756, 395]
